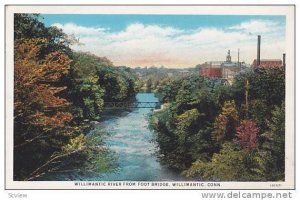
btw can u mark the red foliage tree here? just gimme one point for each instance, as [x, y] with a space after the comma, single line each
[247, 134]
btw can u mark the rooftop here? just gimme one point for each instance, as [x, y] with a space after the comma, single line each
[267, 63]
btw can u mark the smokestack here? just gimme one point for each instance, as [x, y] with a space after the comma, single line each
[258, 51]
[283, 60]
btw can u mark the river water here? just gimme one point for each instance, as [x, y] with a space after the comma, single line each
[133, 144]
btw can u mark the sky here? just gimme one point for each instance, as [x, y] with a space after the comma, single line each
[177, 41]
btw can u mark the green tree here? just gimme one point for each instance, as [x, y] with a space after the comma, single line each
[119, 83]
[264, 84]
[259, 111]
[231, 164]
[273, 146]
[94, 80]
[28, 26]
[186, 124]
[169, 91]
[164, 125]
[84, 88]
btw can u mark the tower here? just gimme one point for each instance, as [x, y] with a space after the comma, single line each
[228, 57]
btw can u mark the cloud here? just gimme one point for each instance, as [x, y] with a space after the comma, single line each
[258, 26]
[71, 28]
[145, 45]
[141, 31]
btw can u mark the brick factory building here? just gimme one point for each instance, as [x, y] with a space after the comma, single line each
[211, 72]
[226, 70]
[267, 64]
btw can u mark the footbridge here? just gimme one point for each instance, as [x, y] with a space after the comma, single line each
[123, 105]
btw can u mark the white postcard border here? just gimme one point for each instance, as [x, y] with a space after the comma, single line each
[287, 10]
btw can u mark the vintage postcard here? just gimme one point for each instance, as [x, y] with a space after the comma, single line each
[150, 97]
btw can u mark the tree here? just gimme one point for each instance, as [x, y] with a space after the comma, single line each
[170, 148]
[52, 93]
[40, 122]
[230, 164]
[28, 26]
[273, 146]
[186, 124]
[118, 82]
[226, 122]
[84, 88]
[246, 134]
[91, 95]
[206, 111]
[94, 80]
[259, 111]
[169, 91]
[264, 84]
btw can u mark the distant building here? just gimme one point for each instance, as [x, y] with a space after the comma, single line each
[222, 69]
[184, 73]
[212, 69]
[230, 72]
[211, 72]
[231, 69]
[267, 64]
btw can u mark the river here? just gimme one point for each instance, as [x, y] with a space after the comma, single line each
[133, 145]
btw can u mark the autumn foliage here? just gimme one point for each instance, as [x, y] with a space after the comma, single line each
[225, 121]
[40, 119]
[247, 134]
[56, 92]
[36, 99]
